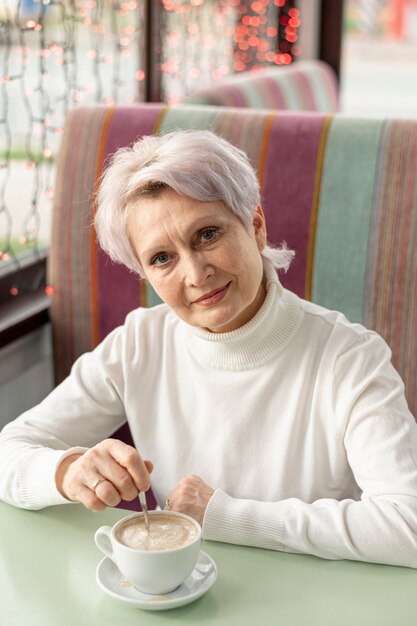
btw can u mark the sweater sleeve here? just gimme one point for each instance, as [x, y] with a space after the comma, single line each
[84, 409]
[380, 441]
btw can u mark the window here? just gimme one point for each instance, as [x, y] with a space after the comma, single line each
[378, 64]
[56, 55]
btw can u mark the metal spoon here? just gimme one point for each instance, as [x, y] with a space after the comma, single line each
[142, 500]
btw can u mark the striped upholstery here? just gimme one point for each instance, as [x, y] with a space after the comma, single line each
[304, 86]
[340, 191]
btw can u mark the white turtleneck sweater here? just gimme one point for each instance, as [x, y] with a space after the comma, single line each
[297, 419]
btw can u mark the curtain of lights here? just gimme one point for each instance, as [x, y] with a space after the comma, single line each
[59, 54]
[207, 40]
[55, 55]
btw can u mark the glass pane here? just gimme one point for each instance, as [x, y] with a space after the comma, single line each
[379, 58]
[53, 57]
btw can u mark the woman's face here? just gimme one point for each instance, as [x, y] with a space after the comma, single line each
[200, 259]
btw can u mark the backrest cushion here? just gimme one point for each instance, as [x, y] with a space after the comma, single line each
[340, 191]
[303, 86]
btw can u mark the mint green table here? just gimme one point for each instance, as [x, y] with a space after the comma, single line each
[47, 578]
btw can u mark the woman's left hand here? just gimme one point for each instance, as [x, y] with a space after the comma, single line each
[191, 497]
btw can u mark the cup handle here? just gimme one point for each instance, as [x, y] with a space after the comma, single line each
[103, 541]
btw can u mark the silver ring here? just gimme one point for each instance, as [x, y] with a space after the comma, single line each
[97, 482]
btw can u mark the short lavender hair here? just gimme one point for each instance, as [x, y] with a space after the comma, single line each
[194, 163]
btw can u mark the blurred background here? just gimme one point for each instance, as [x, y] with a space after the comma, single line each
[379, 58]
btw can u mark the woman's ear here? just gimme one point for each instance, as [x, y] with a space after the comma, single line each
[259, 226]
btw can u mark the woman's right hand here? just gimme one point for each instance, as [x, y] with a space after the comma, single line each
[124, 472]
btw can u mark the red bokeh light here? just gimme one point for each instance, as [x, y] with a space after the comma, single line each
[292, 37]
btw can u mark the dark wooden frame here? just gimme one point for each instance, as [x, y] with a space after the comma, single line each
[331, 33]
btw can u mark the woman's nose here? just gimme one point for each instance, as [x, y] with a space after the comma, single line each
[196, 270]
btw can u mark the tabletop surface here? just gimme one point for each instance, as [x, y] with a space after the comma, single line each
[48, 560]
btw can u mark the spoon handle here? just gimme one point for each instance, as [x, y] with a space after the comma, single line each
[142, 500]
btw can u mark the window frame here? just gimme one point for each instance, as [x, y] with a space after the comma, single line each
[22, 313]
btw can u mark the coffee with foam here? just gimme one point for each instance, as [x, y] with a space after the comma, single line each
[156, 562]
[167, 532]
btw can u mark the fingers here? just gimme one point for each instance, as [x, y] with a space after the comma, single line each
[129, 458]
[118, 481]
[104, 474]
[90, 500]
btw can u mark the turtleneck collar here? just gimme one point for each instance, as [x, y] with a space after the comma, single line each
[257, 341]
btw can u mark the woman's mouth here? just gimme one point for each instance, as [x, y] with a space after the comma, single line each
[213, 297]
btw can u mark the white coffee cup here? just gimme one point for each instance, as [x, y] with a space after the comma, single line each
[151, 571]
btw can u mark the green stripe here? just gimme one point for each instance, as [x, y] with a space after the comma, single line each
[285, 83]
[344, 215]
[152, 298]
[290, 91]
[252, 93]
[194, 117]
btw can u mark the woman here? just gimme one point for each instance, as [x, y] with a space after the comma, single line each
[272, 421]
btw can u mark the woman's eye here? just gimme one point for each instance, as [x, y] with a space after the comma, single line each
[160, 259]
[208, 234]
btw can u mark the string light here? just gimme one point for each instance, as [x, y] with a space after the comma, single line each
[206, 40]
[288, 24]
[55, 55]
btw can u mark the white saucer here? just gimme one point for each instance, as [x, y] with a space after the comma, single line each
[198, 582]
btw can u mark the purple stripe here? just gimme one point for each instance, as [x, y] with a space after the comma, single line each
[292, 151]
[306, 91]
[118, 290]
[271, 88]
[230, 95]
[130, 123]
